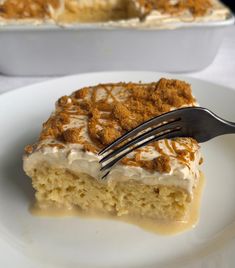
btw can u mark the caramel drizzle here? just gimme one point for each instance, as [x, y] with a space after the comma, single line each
[109, 93]
[141, 102]
[158, 148]
[168, 146]
[183, 144]
[175, 152]
[180, 157]
[94, 95]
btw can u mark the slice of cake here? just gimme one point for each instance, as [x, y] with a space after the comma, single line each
[156, 182]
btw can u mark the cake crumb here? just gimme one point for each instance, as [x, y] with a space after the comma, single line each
[88, 147]
[28, 149]
[162, 164]
[201, 161]
[81, 93]
[108, 135]
[72, 135]
[65, 101]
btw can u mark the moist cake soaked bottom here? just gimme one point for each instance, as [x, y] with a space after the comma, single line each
[163, 227]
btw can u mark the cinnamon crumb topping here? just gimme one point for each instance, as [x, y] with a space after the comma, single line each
[109, 117]
[162, 164]
[53, 127]
[72, 135]
[28, 149]
[19, 9]
[108, 135]
[125, 117]
[108, 111]
[88, 147]
[65, 101]
[63, 118]
[82, 93]
[196, 7]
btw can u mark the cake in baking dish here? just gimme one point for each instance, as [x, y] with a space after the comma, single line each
[133, 11]
[157, 181]
[195, 7]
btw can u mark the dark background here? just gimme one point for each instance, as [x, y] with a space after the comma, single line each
[230, 3]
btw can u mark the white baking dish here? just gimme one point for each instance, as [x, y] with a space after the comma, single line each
[55, 50]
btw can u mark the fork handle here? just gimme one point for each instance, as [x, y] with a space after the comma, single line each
[228, 127]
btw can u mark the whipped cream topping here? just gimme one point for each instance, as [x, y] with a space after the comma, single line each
[74, 159]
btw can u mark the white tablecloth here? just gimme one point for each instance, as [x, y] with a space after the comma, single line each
[221, 71]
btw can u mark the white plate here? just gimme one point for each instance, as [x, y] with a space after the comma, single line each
[27, 241]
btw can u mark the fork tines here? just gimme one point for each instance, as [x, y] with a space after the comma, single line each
[167, 125]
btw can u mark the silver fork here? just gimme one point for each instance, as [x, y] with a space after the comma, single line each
[196, 122]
